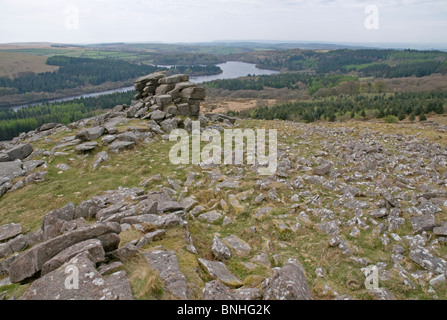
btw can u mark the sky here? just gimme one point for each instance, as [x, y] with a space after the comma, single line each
[172, 21]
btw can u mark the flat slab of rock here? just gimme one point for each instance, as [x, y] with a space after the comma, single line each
[90, 134]
[87, 146]
[31, 262]
[329, 227]
[9, 231]
[166, 221]
[322, 170]
[441, 231]
[287, 283]
[11, 170]
[210, 217]
[118, 146]
[216, 290]
[426, 222]
[428, 261]
[166, 263]
[219, 271]
[93, 247]
[241, 247]
[91, 285]
[220, 250]
[20, 152]
[150, 237]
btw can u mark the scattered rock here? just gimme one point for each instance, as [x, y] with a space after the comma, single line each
[219, 271]
[166, 263]
[287, 283]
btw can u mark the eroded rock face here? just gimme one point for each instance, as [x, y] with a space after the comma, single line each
[93, 247]
[166, 263]
[91, 285]
[9, 231]
[287, 283]
[31, 262]
[219, 271]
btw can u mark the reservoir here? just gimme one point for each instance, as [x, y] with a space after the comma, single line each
[231, 70]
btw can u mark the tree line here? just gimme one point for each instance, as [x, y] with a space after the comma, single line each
[12, 123]
[286, 80]
[399, 105]
[77, 72]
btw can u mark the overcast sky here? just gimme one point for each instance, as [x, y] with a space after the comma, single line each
[99, 21]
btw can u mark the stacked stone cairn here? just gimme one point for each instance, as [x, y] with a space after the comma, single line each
[174, 95]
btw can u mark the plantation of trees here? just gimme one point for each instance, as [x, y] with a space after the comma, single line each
[347, 107]
[12, 123]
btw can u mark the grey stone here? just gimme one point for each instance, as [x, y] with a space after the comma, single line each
[127, 136]
[134, 109]
[158, 115]
[20, 152]
[178, 78]
[427, 222]
[32, 165]
[356, 204]
[210, 217]
[216, 290]
[11, 170]
[248, 294]
[163, 100]
[87, 209]
[381, 294]
[106, 269]
[108, 139]
[219, 271]
[36, 177]
[428, 261]
[166, 263]
[100, 158]
[110, 241]
[63, 167]
[91, 286]
[118, 146]
[48, 126]
[85, 147]
[184, 109]
[169, 125]
[30, 262]
[220, 250]
[429, 208]
[90, 134]
[9, 231]
[93, 247]
[117, 217]
[151, 237]
[322, 170]
[329, 227]
[379, 213]
[4, 157]
[19, 243]
[124, 253]
[287, 283]
[441, 231]
[194, 93]
[241, 247]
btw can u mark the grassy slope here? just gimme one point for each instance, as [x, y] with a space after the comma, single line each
[12, 63]
[130, 168]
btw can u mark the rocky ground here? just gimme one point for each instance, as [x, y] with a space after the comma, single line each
[345, 197]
